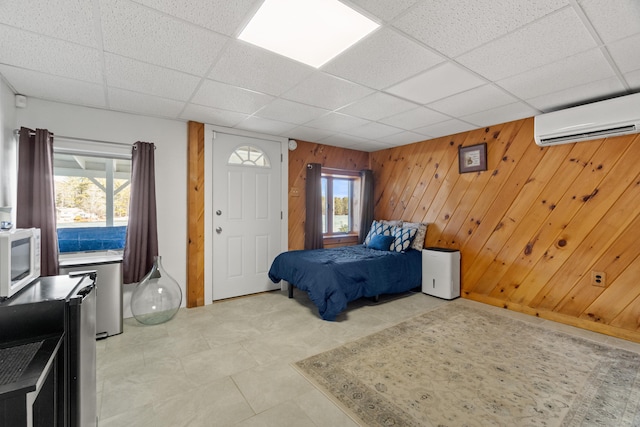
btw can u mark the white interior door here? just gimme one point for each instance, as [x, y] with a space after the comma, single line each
[247, 216]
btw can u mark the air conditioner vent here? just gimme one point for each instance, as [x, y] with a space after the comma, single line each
[613, 117]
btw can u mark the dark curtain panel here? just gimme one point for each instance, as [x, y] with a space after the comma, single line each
[313, 221]
[141, 244]
[366, 203]
[36, 194]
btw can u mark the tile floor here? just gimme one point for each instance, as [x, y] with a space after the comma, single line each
[229, 363]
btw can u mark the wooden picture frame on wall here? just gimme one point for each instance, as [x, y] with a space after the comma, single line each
[472, 158]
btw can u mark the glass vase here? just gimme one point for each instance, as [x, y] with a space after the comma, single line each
[157, 298]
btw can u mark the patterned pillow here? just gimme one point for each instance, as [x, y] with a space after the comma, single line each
[402, 238]
[392, 222]
[376, 229]
[421, 234]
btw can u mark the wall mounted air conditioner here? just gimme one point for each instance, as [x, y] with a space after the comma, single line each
[613, 117]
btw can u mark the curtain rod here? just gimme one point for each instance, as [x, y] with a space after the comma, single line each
[71, 138]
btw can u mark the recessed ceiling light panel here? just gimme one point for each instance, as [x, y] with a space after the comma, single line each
[309, 31]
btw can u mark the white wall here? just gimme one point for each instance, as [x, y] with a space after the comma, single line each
[8, 160]
[170, 138]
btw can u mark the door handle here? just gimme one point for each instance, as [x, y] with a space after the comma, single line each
[218, 212]
[219, 230]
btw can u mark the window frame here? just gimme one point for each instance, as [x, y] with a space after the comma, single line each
[328, 175]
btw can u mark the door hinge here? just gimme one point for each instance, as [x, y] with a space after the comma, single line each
[281, 157]
[281, 215]
[215, 135]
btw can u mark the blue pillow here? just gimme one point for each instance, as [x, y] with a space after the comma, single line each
[380, 242]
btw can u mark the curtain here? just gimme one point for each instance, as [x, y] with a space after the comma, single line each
[141, 243]
[366, 203]
[36, 204]
[313, 221]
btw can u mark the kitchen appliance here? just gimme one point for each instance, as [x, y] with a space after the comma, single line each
[71, 307]
[19, 259]
[109, 317]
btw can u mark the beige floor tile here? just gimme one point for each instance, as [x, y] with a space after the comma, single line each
[322, 411]
[218, 362]
[286, 414]
[269, 385]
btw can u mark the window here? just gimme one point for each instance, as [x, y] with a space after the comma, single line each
[92, 200]
[340, 201]
[248, 155]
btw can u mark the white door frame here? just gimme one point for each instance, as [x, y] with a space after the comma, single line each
[208, 197]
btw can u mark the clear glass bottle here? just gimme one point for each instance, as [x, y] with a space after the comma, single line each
[157, 298]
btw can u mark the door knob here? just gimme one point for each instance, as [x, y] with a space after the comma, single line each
[218, 212]
[219, 230]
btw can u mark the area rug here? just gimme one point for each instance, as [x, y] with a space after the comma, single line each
[464, 366]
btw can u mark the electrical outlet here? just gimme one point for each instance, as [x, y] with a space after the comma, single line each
[598, 278]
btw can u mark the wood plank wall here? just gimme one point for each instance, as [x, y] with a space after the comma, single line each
[327, 156]
[534, 226]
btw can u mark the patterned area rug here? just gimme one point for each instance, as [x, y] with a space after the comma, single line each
[462, 366]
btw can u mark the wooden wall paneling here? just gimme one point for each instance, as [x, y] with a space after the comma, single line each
[496, 138]
[481, 220]
[593, 202]
[544, 240]
[327, 156]
[556, 186]
[493, 258]
[417, 164]
[613, 262]
[385, 184]
[500, 192]
[616, 297]
[195, 215]
[602, 236]
[396, 187]
[426, 170]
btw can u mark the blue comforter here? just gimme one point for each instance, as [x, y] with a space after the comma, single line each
[333, 277]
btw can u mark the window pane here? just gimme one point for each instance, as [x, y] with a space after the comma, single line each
[248, 155]
[91, 191]
[341, 205]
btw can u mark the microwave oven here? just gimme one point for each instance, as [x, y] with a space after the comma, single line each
[19, 259]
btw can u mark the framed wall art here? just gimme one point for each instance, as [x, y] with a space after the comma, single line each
[472, 158]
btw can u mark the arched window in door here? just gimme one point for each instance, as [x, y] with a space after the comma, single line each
[248, 155]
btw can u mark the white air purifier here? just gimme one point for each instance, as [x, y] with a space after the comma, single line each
[441, 272]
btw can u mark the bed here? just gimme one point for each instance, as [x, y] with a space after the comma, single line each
[334, 277]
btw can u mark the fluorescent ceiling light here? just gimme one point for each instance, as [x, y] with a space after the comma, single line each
[309, 31]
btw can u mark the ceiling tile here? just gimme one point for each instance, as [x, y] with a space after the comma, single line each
[124, 100]
[348, 141]
[46, 86]
[626, 53]
[382, 59]
[48, 55]
[448, 127]
[633, 79]
[126, 73]
[458, 29]
[336, 122]
[385, 9]
[415, 118]
[226, 97]
[270, 127]
[222, 16]
[305, 133]
[472, 101]
[325, 91]
[576, 70]
[402, 138]
[254, 68]
[132, 30]
[70, 20]
[506, 113]
[213, 116]
[439, 82]
[548, 40]
[377, 106]
[373, 130]
[613, 20]
[290, 112]
[576, 95]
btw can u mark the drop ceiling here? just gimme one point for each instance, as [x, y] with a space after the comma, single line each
[433, 68]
